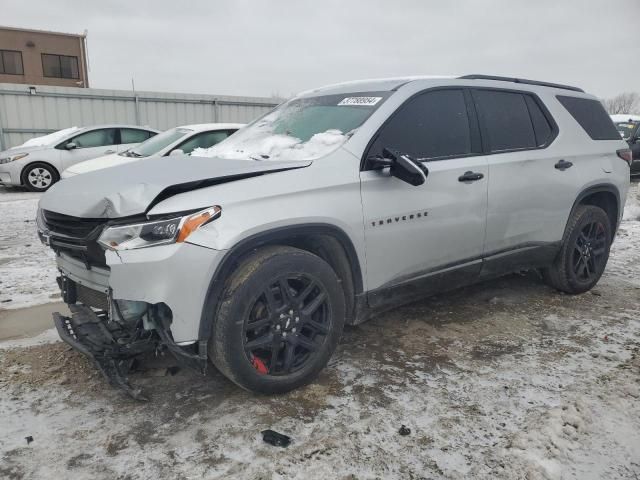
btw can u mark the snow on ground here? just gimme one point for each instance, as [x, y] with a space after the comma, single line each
[507, 380]
[27, 268]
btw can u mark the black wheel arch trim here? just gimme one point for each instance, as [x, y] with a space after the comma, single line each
[251, 243]
[601, 187]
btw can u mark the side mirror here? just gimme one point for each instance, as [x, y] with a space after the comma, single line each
[70, 146]
[403, 167]
[177, 151]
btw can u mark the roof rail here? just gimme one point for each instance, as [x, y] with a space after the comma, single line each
[520, 80]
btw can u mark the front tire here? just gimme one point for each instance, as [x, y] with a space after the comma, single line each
[38, 177]
[279, 320]
[584, 252]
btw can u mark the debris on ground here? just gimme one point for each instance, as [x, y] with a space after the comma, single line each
[276, 439]
[404, 431]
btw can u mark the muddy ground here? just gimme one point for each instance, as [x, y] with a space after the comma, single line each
[509, 379]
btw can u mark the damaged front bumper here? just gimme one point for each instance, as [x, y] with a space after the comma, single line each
[142, 302]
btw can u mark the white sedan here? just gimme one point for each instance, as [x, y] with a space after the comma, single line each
[175, 141]
[36, 163]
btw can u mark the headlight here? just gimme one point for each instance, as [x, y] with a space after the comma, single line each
[12, 158]
[158, 232]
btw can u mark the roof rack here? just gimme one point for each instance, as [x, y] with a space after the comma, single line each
[520, 80]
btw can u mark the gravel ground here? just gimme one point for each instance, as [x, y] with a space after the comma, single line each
[508, 379]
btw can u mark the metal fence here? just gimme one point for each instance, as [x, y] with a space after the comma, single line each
[28, 111]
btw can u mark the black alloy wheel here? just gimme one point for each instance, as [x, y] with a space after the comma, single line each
[287, 325]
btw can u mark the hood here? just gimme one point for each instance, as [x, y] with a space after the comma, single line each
[19, 149]
[99, 163]
[132, 189]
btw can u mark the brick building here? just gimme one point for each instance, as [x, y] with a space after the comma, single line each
[38, 57]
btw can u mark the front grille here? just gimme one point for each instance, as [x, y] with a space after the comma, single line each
[92, 298]
[71, 226]
[76, 237]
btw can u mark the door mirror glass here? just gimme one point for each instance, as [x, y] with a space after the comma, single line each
[70, 146]
[175, 152]
[402, 166]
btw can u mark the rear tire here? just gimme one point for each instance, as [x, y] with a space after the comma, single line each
[279, 320]
[584, 252]
[38, 177]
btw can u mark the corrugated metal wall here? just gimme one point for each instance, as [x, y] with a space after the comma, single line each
[26, 113]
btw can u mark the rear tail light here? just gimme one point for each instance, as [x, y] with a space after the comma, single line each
[625, 154]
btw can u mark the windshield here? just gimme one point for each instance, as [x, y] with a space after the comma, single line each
[157, 143]
[301, 129]
[626, 129]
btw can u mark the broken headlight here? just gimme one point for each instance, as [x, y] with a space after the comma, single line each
[156, 232]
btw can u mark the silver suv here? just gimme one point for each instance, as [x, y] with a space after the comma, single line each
[342, 202]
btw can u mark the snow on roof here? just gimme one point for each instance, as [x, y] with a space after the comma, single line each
[199, 127]
[373, 84]
[50, 139]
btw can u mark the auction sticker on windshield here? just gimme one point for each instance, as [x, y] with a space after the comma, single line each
[361, 101]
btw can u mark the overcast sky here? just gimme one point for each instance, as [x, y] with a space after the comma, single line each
[260, 47]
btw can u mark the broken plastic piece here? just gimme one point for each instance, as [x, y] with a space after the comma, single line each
[276, 439]
[29, 439]
[404, 431]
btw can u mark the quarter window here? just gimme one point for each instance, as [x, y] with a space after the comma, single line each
[96, 138]
[60, 66]
[591, 116]
[506, 120]
[431, 125]
[11, 62]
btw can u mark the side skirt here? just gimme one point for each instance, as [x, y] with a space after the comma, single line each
[424, 285]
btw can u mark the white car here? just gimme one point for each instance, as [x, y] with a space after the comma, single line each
[178, 140]
[37, 163]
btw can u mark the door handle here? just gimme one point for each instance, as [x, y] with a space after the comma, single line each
[562, 165]
[470, 176]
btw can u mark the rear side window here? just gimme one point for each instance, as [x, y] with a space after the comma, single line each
[203, 140]
[430, 125]
[133, 135]
[591, 116]
[506, 120]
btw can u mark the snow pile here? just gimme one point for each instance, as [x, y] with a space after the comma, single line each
[47, 140]
[276, 147]
[27, 268]
[632, 207]
[624, 117]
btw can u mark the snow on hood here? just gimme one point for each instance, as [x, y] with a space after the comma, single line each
[273, 146]
[48, 140]
[105, 161]
[133, 188]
